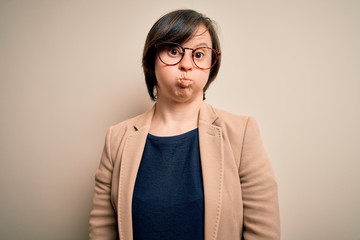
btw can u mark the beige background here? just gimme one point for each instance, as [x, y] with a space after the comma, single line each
[70, 69]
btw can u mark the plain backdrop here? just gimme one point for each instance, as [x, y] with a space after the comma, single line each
[70, 69]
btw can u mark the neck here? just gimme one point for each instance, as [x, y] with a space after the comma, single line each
[174, 119]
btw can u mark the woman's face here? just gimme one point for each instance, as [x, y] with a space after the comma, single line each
[184, 82]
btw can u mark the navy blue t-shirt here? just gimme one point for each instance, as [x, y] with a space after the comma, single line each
[168, 200]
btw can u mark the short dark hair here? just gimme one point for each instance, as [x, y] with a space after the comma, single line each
[177, 26]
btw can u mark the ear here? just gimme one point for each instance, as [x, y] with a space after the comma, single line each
[155, 92]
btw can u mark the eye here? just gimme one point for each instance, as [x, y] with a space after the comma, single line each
[174, 51]
[200, 53]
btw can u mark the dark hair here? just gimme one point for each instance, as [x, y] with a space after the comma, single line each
[177, 26]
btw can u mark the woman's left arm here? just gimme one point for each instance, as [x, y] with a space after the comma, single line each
[259, 188]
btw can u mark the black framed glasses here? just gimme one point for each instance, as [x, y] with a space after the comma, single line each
[172, 53]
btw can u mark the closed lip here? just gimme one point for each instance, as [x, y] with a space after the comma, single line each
[185, 79]
[184, 82]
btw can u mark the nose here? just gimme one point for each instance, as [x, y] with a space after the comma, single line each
[186, 62]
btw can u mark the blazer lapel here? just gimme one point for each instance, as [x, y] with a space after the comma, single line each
[130, 163]
[212, 162]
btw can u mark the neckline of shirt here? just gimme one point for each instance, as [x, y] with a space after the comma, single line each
[174, 137]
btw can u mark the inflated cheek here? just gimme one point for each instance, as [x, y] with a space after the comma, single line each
[206, 76]
[164, 74]
[158, 71]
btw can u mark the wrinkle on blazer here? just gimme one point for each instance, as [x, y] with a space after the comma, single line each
[240, 190]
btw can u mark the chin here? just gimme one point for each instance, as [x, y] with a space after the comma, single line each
[188, 97]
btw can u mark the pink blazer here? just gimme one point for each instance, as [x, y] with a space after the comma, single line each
[240, 190]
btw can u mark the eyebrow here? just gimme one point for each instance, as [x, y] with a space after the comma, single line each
[202, 44]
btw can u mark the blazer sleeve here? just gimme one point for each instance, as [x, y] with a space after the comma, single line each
[103, 217]
[259, 188]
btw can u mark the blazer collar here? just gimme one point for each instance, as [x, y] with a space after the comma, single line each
[144, 120]
[207, 114]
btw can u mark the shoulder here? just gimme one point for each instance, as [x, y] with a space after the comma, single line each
[116, 133]
[124, 125]
[135, 123]
[227, 116]
[230, 119]
[235, 125]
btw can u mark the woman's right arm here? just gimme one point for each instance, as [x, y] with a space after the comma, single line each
[103, 217]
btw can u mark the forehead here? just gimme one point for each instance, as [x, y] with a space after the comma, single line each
[201, 36]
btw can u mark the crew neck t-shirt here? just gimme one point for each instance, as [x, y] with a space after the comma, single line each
[168, 198]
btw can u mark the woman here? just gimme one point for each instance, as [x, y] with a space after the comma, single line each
[184, 169]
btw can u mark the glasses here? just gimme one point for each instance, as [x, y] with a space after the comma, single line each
[172, 53]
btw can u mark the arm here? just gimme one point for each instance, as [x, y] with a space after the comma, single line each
[103, 218]
[259, 188]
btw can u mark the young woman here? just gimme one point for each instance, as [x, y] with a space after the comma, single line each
[184, 169]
